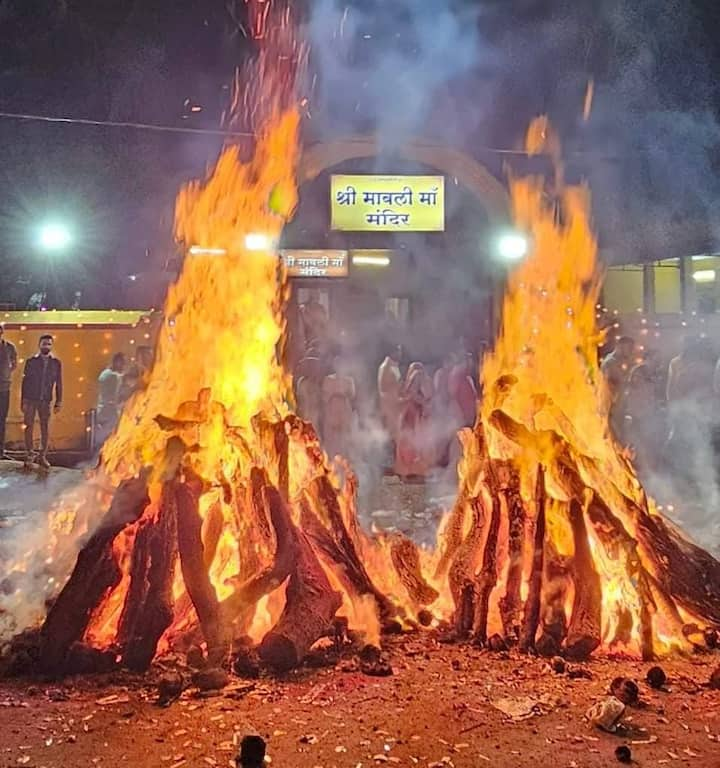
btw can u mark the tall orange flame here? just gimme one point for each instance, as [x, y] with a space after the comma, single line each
[235, 524]
[223, 317]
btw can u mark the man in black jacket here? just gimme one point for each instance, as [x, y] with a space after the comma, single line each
[8, 363]
[43, 374]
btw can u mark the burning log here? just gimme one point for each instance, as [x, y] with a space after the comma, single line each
[487, 578]
[148, 609]
[511, 602]
[610, 530]
[282, 447]
[462, 571]
[556, 579]
[406, 560]
[255, 530]
[453, 533]
[322, 521]
[472, 464]
[95, 575]
[273, 435]
[192, 563]
[688, 573]
[583, 635]
[310, 606]
[239, 607]
[213, 526]
[531, 615]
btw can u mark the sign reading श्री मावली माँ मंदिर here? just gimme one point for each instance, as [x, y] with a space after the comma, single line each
[387, 203]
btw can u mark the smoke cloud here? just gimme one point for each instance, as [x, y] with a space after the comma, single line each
[43, 520]
[473, 75]
[380, 66]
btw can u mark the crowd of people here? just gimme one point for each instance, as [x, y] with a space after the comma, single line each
[116, 384]
[419, 409]
[422, 410]
[669, 415]
[413, 414]
[42, 393]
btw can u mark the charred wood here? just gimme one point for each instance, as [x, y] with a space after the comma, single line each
[531, 613]
[282, 446]
[327, 529]
[83, 659]
[95, 575]
[148, 609]
[687, 572]
[212, 531]
[453, 535]
[406, 560]
[511, 602]
[472, 464]
[487, 578]
[555, 582]
[584, 631]
[240, 606]
[310, 605]
[463, 569]
[192, 563]
[624, 548]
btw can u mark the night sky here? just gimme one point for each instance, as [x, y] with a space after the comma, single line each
[471, 73]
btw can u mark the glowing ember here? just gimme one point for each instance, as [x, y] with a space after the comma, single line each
[228, 529]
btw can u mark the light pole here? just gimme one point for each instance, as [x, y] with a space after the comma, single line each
[53, 239]
[512, 246]
[54, 236]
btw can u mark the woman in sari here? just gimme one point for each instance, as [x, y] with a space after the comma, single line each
[308, 391]
[338, 410]
[415, 451]
[389, 384]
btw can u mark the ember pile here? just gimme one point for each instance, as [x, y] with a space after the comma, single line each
[229, 531]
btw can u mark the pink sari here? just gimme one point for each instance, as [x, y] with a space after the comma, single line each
[415, 451]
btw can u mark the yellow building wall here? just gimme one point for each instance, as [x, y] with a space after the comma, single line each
[623, 289]
[84, 342]
[668, 289]
[704, 296]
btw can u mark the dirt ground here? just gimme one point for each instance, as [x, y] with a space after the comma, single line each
[442, 706]
[438, 708]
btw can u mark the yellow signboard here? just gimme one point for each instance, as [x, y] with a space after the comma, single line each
[387, 203]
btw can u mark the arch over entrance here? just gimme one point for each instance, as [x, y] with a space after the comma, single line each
[469, 172]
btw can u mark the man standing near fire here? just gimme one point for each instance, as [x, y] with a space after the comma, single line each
[41, 378]
[8, 363]
[109, 404]
[616, 368]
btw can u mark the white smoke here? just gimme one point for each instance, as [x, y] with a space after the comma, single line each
[43, 520]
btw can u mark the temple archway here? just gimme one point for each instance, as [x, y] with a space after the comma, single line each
[469, 172]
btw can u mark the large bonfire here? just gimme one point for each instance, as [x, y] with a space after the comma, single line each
[219, 524]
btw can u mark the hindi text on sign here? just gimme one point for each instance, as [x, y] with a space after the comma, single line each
[315, 263]
[388, 203]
